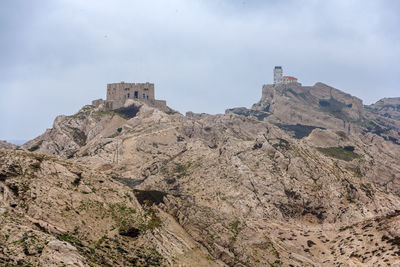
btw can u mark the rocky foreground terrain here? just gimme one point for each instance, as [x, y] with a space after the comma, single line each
[309, 176]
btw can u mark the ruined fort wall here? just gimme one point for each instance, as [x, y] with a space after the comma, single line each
[118, 93]
[159, 104]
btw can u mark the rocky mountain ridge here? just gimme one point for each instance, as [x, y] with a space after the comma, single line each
[294, 106]
[297, 180]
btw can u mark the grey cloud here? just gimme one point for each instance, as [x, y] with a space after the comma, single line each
[203, 56]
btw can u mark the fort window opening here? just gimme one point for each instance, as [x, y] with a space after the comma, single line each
[126, 89]
[144, 96]
[129, 95]
[136, 94]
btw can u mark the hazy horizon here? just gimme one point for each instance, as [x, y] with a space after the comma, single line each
[16, 142]
[203, 56]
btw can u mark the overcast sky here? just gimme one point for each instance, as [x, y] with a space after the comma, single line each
[203, 56]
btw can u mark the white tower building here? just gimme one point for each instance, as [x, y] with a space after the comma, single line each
[277, 74]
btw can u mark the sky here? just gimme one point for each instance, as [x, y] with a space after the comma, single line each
[203, 55]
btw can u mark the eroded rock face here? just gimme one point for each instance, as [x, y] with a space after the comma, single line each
[254, 191]
[56, 213]
[383, 119]
[387, 107]
[296, 108]
[71, 133]
[319, 105]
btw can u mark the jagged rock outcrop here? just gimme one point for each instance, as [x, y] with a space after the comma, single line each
[300, 109]
[320, 98]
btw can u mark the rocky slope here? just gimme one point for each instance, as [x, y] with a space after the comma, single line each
[58, 213]
[270, 188]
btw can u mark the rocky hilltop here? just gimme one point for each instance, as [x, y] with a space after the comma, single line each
[6, 145]
[303, 108]
[309, 176]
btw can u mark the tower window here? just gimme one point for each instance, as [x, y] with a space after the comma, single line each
[144, 96]
[136, 95]
[129, 95]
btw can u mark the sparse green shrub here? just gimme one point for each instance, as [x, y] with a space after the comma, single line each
[153, 223]
[339, 153]
[70, 239]
[182, 169]
[269, 246]
[125, 216]
[100, 114]
[235, 228]
[283, 144]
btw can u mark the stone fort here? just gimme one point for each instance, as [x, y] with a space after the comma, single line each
[119, 93]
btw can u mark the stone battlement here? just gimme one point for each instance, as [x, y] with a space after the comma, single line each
[119, 93]
[123, 91]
